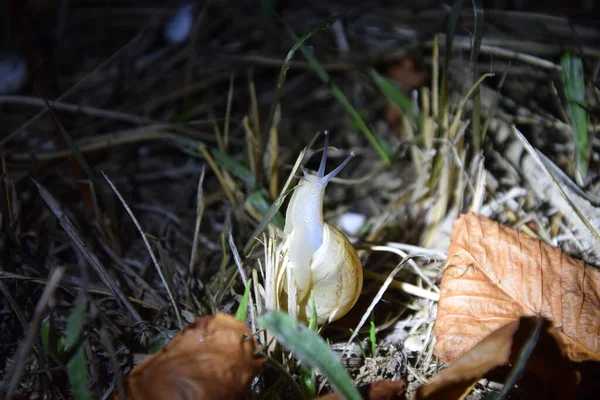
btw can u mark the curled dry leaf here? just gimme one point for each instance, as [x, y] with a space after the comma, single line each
[382, 390]
[496, 274]
[212, 358]
[550, 373]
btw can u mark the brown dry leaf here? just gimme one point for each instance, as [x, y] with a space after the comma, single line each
[212, 358]
[382, 390]
[496, 275]
[408, 72]
[548, 372]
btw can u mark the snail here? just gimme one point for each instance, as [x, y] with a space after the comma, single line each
[320, 258]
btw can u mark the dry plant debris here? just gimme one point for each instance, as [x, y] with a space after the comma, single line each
[495, 275]
[383, 390]
[214, 357]
[554, 376]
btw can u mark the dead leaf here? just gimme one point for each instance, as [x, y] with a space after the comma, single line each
[550, 372]
[409, 73]
[382, 390]
[212, 358]
[496, 275]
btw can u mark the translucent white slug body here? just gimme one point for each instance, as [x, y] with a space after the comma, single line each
[320, 257]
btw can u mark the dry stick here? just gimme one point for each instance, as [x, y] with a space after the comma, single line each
[147, 244]
[273, 150]
[25, 348]
[220, 177]
[110, 349]
[240, 266]
[534, 154]
[75, 108]
[199, 213]
[465, 44]
[376, 299]
[74, 235]
[74, 87]
[226, 128]
[100, 142]
[413, 264]
[404, 287]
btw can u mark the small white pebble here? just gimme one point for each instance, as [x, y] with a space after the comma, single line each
[414, 344]
[180, 24]
[13, 73]
[351, 223]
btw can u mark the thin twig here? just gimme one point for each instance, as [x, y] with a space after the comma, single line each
[94, 261]
[145, 239]
[199, 213]
[75, 108]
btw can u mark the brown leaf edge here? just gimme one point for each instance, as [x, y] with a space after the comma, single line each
[496, 274]
[548, 373]
[215, 357]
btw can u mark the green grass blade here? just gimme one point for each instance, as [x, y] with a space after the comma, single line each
[372, 338]
[342, 99]
[308, 382]
[450, 31]
[77, 366]
[477, 34]
[574, 83]
[235, 167]
[393, 94]
[283, 72]
[73, 147]
[242, 310]
[260, 203]
[312, 324]
[45, 332]
[311, 349]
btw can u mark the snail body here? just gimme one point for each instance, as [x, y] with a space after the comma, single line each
[320, 258]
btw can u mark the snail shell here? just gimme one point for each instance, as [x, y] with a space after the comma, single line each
[320, 258]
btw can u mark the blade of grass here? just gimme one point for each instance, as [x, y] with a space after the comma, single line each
[234, 167]
[450, 31]
[372, 338]
[77, 367]
[341, 98]
[242, 310]
[260, 203]
[493, 107]
[274, 207]
[89, 255]
[283, 72]
[394, 95]
[308, 347]
[307, 374]
[595, 231]
[199, 214]
[524, 356]
[477, 35]
[574, 84]
[147, 244]
[228, 114]
[72, 146]
[255, 152]
[274, 154]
